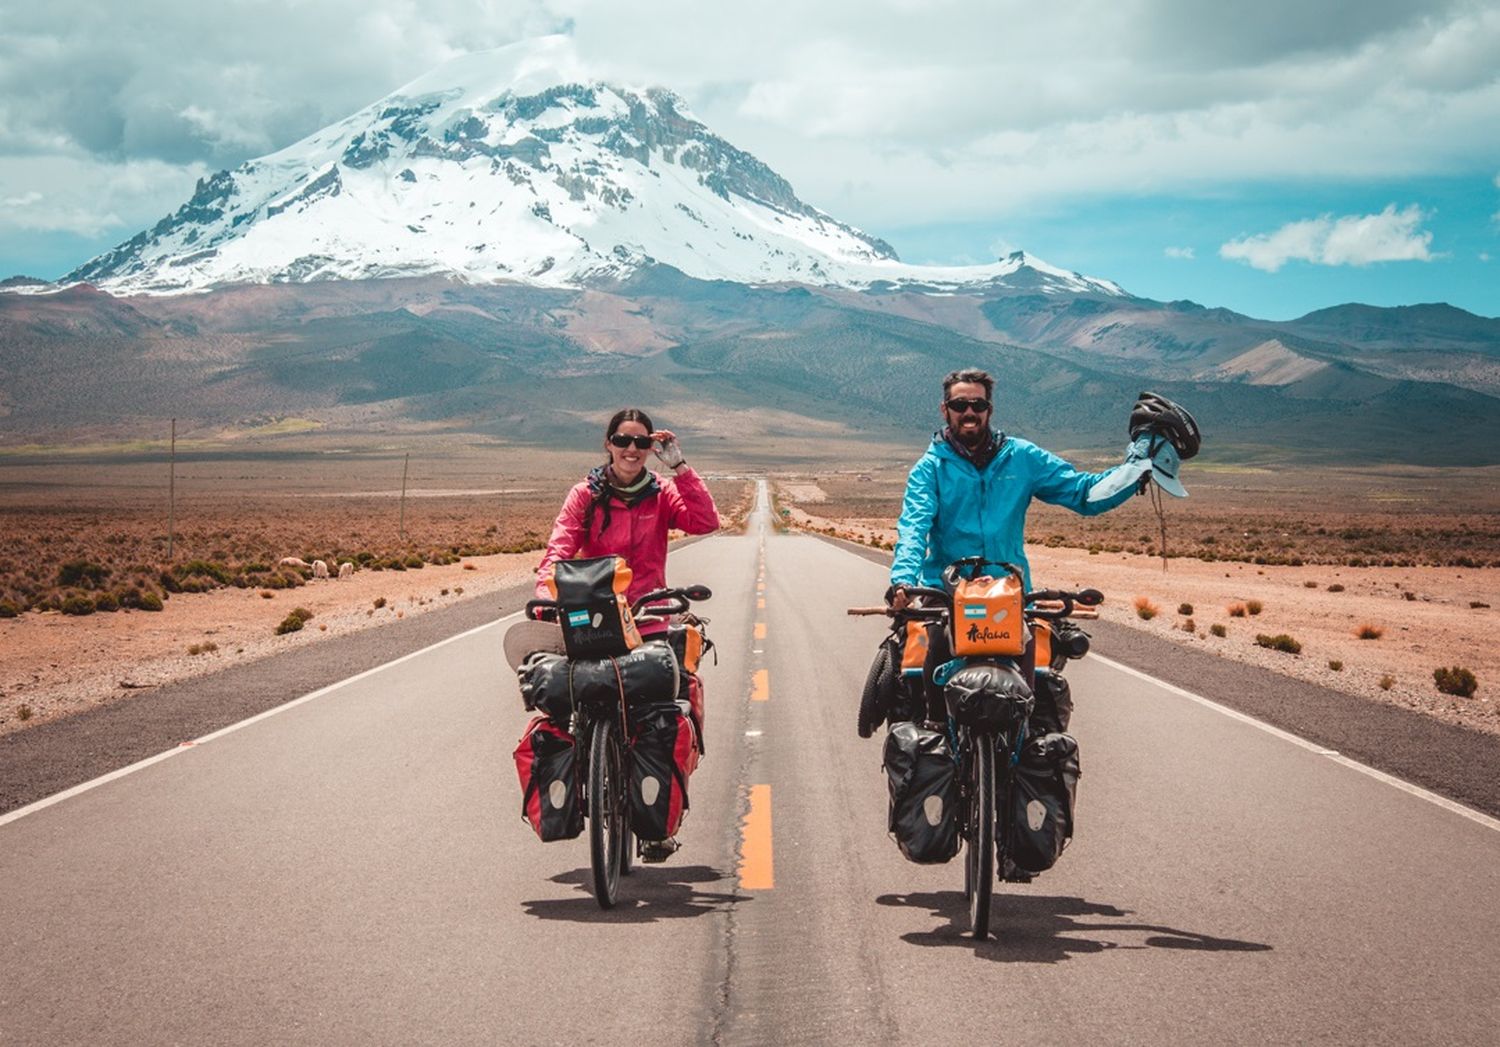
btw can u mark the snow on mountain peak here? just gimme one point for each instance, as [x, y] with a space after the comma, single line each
[516, 164]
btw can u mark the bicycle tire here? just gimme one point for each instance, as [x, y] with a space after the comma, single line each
[979, 863]
[606, 810]
[872, 704]
[627, 851]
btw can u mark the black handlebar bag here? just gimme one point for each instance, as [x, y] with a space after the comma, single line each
[592, 607]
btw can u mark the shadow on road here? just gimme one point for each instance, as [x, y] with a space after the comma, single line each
[1042, 929]
[649, 894]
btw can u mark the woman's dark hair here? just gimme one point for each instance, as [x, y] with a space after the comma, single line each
[628, 414]
[602, 495]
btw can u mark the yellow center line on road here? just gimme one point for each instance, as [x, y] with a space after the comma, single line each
[760, 686]
[760, 604]
[757, 868]
[760, 630]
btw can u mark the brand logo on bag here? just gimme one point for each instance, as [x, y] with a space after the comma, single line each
[932, 810]
[1036, 815]
[557, 793]
[578, 618]
[984, 634]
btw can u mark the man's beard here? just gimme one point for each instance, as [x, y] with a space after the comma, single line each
[970, 438]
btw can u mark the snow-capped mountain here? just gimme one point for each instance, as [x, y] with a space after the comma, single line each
[516, 165]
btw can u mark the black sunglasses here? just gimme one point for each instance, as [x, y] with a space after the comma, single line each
[960, 406]
[642, 443]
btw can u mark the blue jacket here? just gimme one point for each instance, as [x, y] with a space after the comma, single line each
[952, 509]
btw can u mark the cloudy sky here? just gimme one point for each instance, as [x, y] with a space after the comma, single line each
[1273, 157]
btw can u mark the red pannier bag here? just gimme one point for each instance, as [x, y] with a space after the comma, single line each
[664, 753]
[546, 762]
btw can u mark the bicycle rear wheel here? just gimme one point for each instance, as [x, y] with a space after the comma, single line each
[607, 824]
[979, 863]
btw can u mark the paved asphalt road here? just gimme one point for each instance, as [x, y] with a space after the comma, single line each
[353, 869]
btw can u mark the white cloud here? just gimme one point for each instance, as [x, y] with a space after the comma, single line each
[1390, 236]
[894, 114]
[1185, 253]
[1484, 256]
[91, 199]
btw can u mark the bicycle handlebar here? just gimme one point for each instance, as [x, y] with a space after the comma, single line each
[546, 610]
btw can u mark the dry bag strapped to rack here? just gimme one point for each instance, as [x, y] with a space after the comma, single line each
[554, 684]
[988, 697]
[988, 615]
[1054, 702]
[1041, 814]
[923, 783]
[663, 754]
[546, 762]
[592, 608]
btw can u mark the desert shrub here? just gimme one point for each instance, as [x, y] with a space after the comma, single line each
[1254, 606]
[23, 713]
[1236, 610]
[169, 582]
[294, 621]
[1409, 595]
[379, 602]
[106, 601]
[78, 604]
[1335, 588]
[443, 592]
[1387, 682]
[203, 569]
[206, 647]
[1475, 605]
[256, 567]
[1279, 642]
[470, 567]
[1217, 629]
[150, 601]
[1309, 584]
[1189, 626]
[1455, 680]
[1145, 609]
[8, 609]
[266, 594]
[81, 572]
[458, 590]
[1336, 665]
[1184, 608]
[413, 562]
[1369, 632]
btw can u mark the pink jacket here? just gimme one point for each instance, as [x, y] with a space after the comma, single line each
[637, 533]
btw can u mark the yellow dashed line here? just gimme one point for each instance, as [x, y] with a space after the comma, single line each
[760, 630]
[757, 869]
[760, 686]
[760, 604]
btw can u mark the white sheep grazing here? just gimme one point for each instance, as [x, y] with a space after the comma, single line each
[346, 569]
[291, 561]
[320, 569]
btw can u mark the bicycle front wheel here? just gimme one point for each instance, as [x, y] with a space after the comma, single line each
[607, 824]
[979, 863]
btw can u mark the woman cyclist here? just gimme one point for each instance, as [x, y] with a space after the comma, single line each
[622, 508]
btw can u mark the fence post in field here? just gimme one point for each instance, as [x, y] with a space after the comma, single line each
[401, 527]
[172, 491]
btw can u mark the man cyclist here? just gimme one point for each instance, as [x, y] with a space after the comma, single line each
[968, 496]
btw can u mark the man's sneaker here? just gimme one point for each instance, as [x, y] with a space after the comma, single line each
[653, 852]
[1010, 874]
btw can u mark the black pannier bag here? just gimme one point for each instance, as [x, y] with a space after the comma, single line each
[923, 783]
[664, 753]
[1054, 703]
[592, 607]
[546, 762]
[1041, 814]
[648, 674]
[544, 685]
[988, 697]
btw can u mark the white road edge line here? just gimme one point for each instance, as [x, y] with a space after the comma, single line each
[1479, 817]
[83, 787]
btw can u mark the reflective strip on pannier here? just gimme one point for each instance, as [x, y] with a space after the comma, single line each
[923, 781]
[1041, 814]
[546, 763]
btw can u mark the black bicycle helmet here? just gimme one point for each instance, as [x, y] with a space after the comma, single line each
[1158, 416]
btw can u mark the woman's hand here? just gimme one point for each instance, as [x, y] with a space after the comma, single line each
[668, 449]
